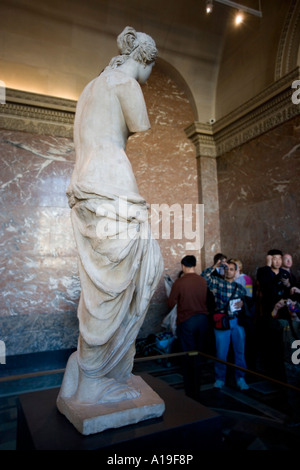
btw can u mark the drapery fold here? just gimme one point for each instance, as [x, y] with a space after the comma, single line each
[120, 266]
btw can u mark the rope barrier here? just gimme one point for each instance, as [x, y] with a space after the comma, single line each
[155, 358]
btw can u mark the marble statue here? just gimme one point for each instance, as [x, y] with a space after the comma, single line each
[120, 264]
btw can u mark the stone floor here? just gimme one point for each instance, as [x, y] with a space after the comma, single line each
[266, 417]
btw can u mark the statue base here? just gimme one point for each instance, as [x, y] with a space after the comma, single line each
[91, 419]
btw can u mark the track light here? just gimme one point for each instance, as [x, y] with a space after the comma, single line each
[239, 18]
[209, 6]
[241, 8]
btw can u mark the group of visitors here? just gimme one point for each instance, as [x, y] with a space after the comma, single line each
[278, 297]
[239, 308]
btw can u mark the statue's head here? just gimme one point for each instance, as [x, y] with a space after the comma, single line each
[135, 45]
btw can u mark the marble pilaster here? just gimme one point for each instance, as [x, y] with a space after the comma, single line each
[208, 191]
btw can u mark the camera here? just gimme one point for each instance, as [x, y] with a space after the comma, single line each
[285, 275]
[222, 269]
[294, 307]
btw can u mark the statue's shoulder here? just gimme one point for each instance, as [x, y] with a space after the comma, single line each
[117, 78]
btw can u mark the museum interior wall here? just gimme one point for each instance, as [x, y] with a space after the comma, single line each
[259, 198]
[242, 166]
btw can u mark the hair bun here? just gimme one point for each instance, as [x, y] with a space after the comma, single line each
[127, 40]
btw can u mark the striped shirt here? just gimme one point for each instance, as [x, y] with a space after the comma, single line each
[223, 290]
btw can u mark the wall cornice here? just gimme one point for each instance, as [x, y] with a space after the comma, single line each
[40, 114]
[270, 108]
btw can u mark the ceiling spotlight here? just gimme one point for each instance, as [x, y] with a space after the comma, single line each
[239, 18]
[236, 6]
[209, 6]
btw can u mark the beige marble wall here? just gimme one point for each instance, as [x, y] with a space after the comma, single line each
[259, 197]
[39, 282]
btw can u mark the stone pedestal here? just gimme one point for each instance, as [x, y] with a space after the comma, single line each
[91, 419]
[186, 427]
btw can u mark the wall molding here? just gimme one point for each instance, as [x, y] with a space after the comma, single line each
[267, 110]
[40, 114]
